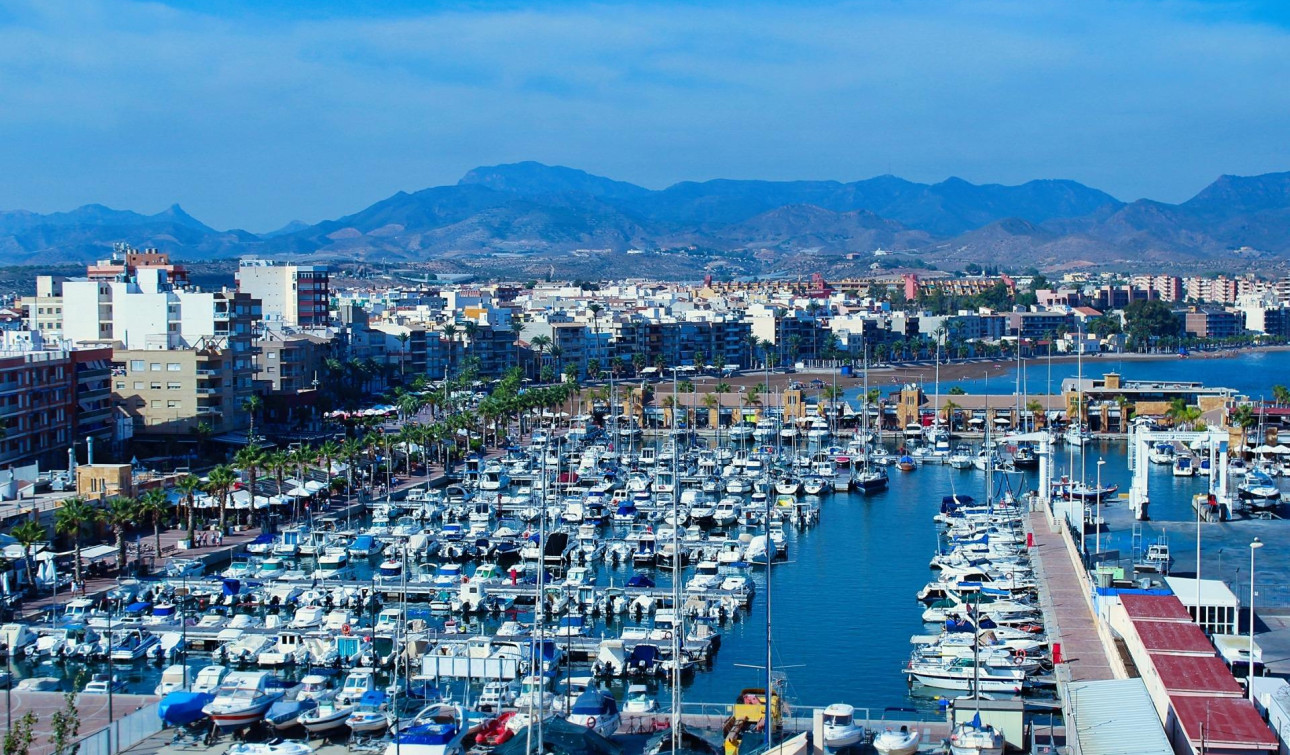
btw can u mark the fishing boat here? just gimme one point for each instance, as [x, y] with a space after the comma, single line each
[841, 730]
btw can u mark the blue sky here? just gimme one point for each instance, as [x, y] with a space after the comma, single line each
[251, 114]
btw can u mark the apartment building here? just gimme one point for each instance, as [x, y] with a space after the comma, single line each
[173, 391]
[50, 399]
[290, 362]
[44, 311]
[1212, 323]
[294, 295]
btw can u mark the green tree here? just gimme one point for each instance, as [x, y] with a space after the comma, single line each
[153, 505]
[957, 391]
[18, 739]
[29, 533]
[252, 406]
[1281, 395]
[119, 514]
[65, 724]
[219, 483]
[188, 485]
[1150, 319]
[73, 517]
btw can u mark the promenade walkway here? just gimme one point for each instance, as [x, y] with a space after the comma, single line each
[1068, 616]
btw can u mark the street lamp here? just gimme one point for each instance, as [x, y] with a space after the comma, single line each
[1097, 517]
[1249, 678]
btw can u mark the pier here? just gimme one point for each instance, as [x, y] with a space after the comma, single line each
[1063, 596]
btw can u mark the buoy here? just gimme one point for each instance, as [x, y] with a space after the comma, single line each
[591, 722]
[345, 630]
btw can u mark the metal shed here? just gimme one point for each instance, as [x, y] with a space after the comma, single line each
[1113, 717]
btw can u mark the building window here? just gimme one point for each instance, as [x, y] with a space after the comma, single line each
[273, 355]
[138, 385]
[155, 367]
[120, 386]
[173, 404]
[272, 370]
[156, 386]
[136, 365]
[156, 404]
[173, 367]
[173, 386]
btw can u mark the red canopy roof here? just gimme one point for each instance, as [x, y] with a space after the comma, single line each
[1228, 722]
[1173, 638]
[1192, 675]
[1155, 608]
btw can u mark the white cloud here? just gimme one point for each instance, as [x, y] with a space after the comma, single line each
[253, 121]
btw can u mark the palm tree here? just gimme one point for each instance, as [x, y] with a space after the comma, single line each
[252, 405]
[541, 343]
[119, 514]
[154, 505]
[1036, 409]
[1281, 395]
[29, 533]
[249, 459]
[1244, 417]
[188, 485]
[403, 339]
[329, 451]
[409, 404]
[449, 333]
[71, 519]
[219, 483]
[950, 408]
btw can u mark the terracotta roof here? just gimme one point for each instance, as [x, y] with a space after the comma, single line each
[1192, 675]
[1173, 638]
[1227, 722]
[1155, 608]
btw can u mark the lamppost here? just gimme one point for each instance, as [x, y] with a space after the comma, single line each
[1097, 517]
[1249, 678]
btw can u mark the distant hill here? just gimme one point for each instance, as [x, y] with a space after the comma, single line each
[544, 214]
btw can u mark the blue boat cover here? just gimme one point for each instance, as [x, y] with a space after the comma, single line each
[181, 708]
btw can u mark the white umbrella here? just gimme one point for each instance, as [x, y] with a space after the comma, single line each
[1280, 449]
[313, 486]
[298, 492]
[1263, 449]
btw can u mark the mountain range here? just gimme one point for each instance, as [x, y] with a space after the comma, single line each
[530, 216]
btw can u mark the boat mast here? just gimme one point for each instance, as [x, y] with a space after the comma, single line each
[770, 678]
[677, 622]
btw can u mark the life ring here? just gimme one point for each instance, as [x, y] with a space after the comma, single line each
[667, 635]
[1018, 660]
[1021, 654]
[591, 722]
[345, 630]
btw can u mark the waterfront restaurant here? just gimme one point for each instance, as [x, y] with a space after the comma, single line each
[1109, 401]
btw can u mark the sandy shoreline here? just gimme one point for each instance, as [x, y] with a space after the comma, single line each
[888, 375]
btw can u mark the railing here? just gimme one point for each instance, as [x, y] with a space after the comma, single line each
[121, 734]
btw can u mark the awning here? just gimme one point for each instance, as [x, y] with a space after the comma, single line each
[98, 552]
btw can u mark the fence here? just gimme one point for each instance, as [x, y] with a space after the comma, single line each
[122, 733]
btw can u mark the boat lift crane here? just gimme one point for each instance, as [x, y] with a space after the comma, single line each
[1142, 439]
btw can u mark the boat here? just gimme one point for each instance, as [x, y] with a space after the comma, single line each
[328, 716]
[872, 480]
[975, 738]
[38, 684]
[1183, 466]
[906, 463]
[841, 731]
[102, 684]
[961, 457]
[436, 730]
[902, 741]
[689, 743]
[284, 747]
[181, 707]
[284, 714]
[1257, 486]
[134, 645]
[243, 699]
[500, 729]
[639, 700]
[369, 716]
[597, 710]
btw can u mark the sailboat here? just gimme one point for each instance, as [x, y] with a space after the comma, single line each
[870, 478]
[677, 739]
[974, 737]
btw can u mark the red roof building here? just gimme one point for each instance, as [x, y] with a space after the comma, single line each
[1221, 724]
[1191, 675]
[1155, 608]
[1173, 638]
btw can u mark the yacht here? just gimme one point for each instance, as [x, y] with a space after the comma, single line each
[596, 710]
[975, 738]
[841, 730]
[243, 699]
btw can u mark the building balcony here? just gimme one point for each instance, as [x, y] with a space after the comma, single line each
[207, 374]
[208, 410]
[207, 391]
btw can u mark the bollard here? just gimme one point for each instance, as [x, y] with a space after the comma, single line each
[1057, 653]
[1030, 539]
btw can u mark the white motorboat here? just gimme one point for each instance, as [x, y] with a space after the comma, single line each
[975, 738]
[285, 747]
[902, 741]
[639, 700]
[327, 717]
[242, 700]
[841, 730]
